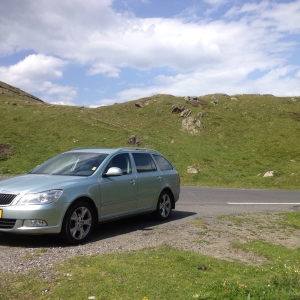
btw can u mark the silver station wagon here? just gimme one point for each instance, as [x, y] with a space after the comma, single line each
[73, 192]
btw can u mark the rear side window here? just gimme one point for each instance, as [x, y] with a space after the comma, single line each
[163, 163]
[144, 162]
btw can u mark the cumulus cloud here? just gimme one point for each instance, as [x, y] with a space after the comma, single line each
[106, 41]
[202, 55]
[102, 68]
[34, 68]
[34, 73]
[56, 94]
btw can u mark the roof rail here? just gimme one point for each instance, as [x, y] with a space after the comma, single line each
[92, 147]
[134, 148]
[118, 149]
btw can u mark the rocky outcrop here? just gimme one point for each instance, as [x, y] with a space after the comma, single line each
[185, 113]
[141, 104]
[191, 125]
[178, 108]
[195, 101]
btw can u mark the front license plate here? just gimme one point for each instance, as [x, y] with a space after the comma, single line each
[0, 213]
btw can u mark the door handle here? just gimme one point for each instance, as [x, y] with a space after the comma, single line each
[159, 178]
[132, 182]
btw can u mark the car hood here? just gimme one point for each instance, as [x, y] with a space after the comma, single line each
[38, 183]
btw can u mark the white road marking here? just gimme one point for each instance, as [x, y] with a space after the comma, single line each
[261, 203]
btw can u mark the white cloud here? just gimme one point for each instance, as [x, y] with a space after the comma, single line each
[281, 16]
[215, 2]
[230, 81]
[102, 68]
[34, 68]
[106, 41]
[34, 73]
[56, 94]
[206, 56]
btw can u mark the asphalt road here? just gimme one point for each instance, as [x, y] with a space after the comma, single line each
[222, 201]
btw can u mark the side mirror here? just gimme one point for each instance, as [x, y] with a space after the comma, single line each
[114, 171]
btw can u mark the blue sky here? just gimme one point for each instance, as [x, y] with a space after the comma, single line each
[100, 52]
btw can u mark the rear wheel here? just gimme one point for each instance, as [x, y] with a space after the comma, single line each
[78, 223]
[164, 206]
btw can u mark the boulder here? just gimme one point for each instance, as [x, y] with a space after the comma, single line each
[185, 113]
[131, 140]
[178, 108]
[139, 104]
[192, 125]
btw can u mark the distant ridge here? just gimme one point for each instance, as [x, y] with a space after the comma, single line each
[10, 90]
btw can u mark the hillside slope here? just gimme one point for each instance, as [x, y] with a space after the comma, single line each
[11, 91]
[226, 141]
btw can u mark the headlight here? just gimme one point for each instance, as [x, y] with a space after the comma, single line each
[40, 198]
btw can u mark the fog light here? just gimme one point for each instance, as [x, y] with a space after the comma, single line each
[34, 223]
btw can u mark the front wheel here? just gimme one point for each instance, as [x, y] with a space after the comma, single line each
[78, 223]
[164, 206]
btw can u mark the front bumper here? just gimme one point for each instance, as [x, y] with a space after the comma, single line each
[15, 215]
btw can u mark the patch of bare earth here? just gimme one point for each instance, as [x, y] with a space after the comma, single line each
[5, 151]
[215, 236]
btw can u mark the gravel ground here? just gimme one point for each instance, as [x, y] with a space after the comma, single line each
[209, 236]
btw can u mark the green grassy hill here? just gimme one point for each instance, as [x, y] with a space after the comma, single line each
[238, 141]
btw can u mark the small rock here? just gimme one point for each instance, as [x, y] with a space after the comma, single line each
[202, 267]
[191, 170]
[269, 174]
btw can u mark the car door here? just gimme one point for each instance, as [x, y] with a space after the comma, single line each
[118, 193]
[149, 181]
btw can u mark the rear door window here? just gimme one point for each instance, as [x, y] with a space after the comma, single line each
[144, 162]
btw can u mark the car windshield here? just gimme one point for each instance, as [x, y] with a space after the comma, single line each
[71, 164]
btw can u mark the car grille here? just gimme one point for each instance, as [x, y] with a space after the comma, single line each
[7, 223]
[6, 199]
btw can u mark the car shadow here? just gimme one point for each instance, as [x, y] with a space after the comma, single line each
[104, 231]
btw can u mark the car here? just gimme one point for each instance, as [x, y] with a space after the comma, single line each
[73, 192]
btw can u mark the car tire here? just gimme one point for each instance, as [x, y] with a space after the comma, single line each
[164, 206]
[78, 223]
